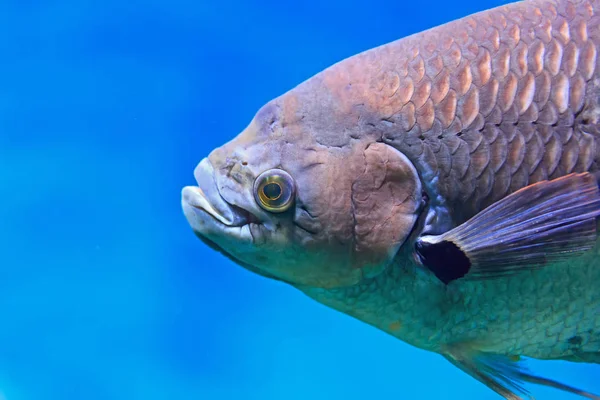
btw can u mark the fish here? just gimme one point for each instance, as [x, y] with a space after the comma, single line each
[442, 188]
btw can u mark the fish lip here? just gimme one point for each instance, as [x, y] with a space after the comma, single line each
[206, 197]
[194, 197]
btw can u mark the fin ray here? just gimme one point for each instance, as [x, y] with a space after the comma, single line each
[504, 375]
[541, 223]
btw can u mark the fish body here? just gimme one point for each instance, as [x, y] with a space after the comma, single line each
[415, 138]
[487, 105]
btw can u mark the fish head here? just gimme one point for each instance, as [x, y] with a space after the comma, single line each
[304, 195]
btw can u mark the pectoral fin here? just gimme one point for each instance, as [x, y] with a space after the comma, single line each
[504, 375]
[528, 229]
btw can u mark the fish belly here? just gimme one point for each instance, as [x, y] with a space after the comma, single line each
[550, 313]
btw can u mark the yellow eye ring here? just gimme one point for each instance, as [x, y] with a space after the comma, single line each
[274, 190]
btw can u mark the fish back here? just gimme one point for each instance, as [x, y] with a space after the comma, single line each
[489, 103]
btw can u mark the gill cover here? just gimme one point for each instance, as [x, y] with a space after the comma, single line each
[386, 198]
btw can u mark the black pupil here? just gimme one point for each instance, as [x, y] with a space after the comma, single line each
[272, 191]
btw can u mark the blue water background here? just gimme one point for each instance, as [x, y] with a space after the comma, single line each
[105, 293]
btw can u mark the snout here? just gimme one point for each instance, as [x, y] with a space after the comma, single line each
[208, 213]
[207, 198]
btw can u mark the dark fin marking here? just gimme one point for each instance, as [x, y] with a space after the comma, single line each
[445, 259]
[504, 375]
[541, 223]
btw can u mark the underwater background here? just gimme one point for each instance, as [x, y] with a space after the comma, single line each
[106, 107]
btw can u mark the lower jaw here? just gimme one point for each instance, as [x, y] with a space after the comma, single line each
[236, 260]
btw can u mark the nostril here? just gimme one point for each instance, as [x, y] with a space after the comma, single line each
[244, 163]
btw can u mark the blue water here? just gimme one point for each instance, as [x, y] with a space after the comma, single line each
[105, 293]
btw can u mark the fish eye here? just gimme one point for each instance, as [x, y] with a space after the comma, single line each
[274, 190]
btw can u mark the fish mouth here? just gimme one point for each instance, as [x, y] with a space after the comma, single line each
[193, 196]
[206, 210]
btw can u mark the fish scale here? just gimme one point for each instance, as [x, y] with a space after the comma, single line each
[509, 93]
[547, 315]
[484, 106]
